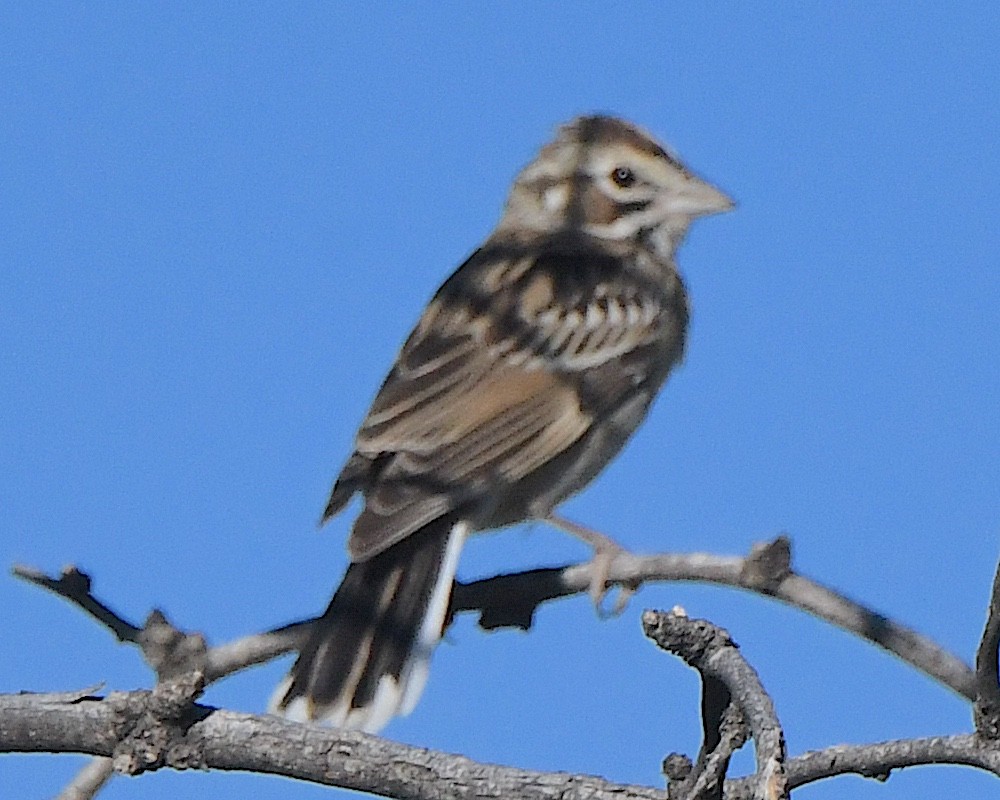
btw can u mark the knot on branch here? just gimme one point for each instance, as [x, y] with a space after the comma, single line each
[168, 650]
[986, 716]
[677, 769]
[768, 564]
[153, 726]
[75, 581]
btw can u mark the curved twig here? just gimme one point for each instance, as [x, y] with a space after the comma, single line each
[708, 649]
[511, 600]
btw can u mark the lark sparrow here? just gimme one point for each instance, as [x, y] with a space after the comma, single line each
[528, 371]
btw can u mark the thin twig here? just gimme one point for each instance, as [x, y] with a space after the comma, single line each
[877, 760]
[259, 648]
[88, 781]
[713, 762]
[74, 585]
[987, 706]
[167, 649]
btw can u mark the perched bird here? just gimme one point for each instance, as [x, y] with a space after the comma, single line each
[525, 375]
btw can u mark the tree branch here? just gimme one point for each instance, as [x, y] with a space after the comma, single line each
[89, 780]
[986, 711]
[879, 759]
[143, 731]
[210, 738]
[708, 649]
[504, 600]
[511, 600]
[75, 586]
[167, 649]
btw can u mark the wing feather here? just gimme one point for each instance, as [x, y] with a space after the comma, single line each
[488, 386]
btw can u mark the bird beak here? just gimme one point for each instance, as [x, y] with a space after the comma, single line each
[697, 198]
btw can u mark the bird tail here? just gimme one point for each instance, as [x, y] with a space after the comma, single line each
[367, 657]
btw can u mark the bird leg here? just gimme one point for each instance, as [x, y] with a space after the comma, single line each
[606, 550]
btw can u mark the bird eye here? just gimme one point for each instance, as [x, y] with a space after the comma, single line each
[623, 177]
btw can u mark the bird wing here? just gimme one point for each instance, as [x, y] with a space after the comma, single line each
[509, 366]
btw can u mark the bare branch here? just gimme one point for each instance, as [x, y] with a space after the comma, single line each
[88, 781]
[229, 741]
[511, 600]
[986, 711]
[728, 734]
[210, 738]
[724, 732]
[166, 648]
[708, 649]
[258, 648]
[74, 585]
[877, 760]
[147, 730]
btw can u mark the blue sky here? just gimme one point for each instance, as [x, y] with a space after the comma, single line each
[219, 222]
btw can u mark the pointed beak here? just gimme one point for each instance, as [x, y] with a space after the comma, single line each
[698, 198]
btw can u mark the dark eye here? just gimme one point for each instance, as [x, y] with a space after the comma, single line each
[623, 177]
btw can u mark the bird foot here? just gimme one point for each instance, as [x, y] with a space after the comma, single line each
[606, 550]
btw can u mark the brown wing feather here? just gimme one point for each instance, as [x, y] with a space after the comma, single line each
[483, 396]
[500, 428]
